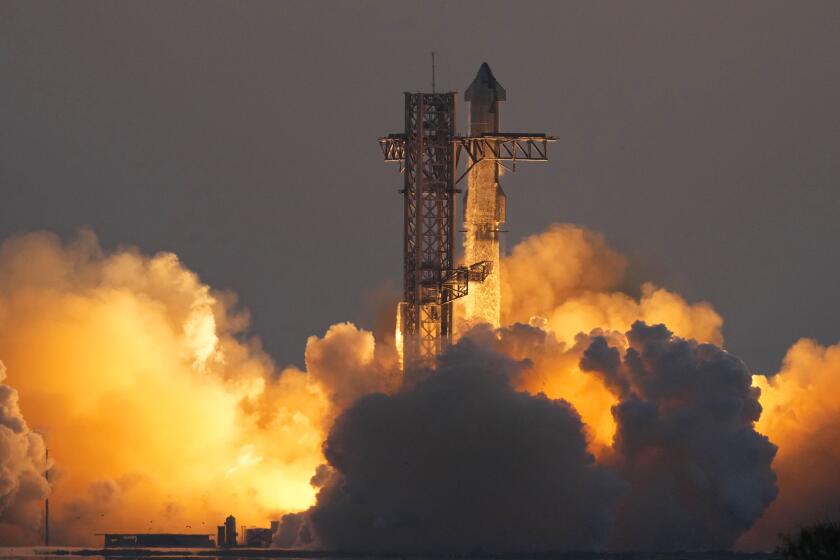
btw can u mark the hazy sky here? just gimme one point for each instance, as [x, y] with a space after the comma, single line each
[703, 139]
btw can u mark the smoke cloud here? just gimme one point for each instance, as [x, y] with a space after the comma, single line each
[462, 461]
[466, 460]
[348, 363]
[545, 270]
[162, 413]
[573, 426]
[802, 416]
[670, 417]
[699, 472]
[23, 486]
[567, 280]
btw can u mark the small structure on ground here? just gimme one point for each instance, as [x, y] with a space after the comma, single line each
[156, 540]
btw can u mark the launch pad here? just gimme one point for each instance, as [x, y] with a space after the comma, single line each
[428, 153]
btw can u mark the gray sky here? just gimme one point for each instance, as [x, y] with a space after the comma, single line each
[702, 138]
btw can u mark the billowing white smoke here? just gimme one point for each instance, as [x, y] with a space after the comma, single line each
[23, 486]
[348, 363]
[802, 415]
[670, 418]
[462, 461]
[159, 408]
[511, 445]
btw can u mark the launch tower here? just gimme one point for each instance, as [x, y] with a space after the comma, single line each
[431, 282]
[428, 152]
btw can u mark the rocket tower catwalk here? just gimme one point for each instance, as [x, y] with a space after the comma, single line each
[428, 152]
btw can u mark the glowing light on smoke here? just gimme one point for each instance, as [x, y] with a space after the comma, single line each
[566, 281]
[560, 377]
[802, 416]
[156, 404]
[200, 334]
[246, 459]
[137, 375]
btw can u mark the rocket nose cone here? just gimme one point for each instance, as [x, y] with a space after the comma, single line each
[485, 86]
[484, 78]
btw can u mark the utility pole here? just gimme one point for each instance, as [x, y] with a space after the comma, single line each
[47, 500]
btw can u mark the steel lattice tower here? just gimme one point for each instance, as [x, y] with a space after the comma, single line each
[429, 204]
[425, 153]
[431, 281]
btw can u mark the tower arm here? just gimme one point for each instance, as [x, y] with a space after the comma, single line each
[455, 283]
[393, 147]
[499, 146]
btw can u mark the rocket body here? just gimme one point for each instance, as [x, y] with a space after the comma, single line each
[484, 207]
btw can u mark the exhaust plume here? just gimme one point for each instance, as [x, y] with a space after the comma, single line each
[802, 416]
[439, 467]
[348, 363]
[412, 471]
[566, 281]
[699, 473]
[668, 419]
[547, 269]
[23, 486]
[161, 412]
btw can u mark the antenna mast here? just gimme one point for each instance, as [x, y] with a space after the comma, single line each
[47, 501]
[433, 72]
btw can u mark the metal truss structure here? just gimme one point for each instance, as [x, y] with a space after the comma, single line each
[426, 158]
[431, 281]
[455, 283]
[496, 146]
[501, 147]
[393, 148]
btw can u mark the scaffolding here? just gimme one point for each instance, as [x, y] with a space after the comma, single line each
[430, 280]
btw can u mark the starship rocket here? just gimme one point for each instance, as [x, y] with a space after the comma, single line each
[484, 207]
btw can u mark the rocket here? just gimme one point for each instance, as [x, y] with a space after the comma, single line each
[484, 95]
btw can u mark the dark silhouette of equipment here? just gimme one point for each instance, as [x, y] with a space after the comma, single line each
[258, 537]
[156, 540]
[230, 531]
[47, 500]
